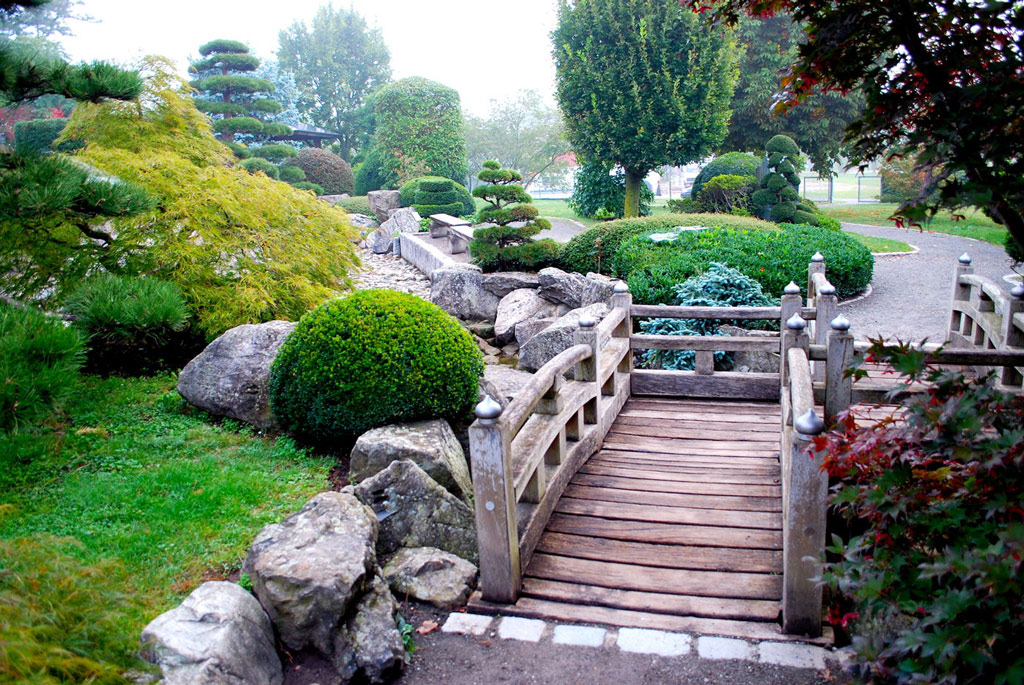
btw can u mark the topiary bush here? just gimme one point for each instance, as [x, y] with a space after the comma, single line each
[369, 359]
[772, 258]
[326, 169]
[726, 193]
[359, 204]
[254, 164]
[291, 174]
[682, 205]
[37, 136]
[600, 192]
[39, 363]
[275, 152]
[407, 194]
[437, 197]
[132, 325]
[593, 249]
[779, 196]
[733, 163]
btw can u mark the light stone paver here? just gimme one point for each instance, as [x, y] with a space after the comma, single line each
[794, 655]
[584, 636]
[709, 647]
[646, 641]
[525, 629]
[467, 624]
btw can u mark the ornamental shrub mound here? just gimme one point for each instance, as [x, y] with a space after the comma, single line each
[732, 163]
[727, 193]
[326, 169]
[373, 358]
[779, 195]
[437, 197]
[409, 189]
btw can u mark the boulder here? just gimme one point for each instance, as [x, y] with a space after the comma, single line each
[527, 329]
[459, 291]
[382, 202]
[334, 199]
[502, 283]
[487, 388]
[369, 648]
[483, 329]
[430, 575]
[430, 444]
[505, 382]
[562, 287]
[557, 337]
[362, 221]
[753, 361]
[405, 220]
[516, 307]
[229, 378]
[487, 348]
[597, 288]
[219, 635]
[380, 241]
[307, 570]
[415, 511]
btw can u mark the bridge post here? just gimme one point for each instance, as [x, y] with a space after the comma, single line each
[838, 386]
[826, 306]
[816, 266]
[589, 369]
[791, 306]
[1013, 335]
[961, 293]
[794, 334]
[495, 499]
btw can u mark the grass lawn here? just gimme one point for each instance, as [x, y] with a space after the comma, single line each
[881, 244]
[130, 476]
[974, 225]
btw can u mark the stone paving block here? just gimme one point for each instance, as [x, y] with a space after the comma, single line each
[645, 641]
[525, 629]
[466, 624]
[724, 648]
[791, 654]
[584, 636]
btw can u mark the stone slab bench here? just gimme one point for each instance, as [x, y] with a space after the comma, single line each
[458, 231]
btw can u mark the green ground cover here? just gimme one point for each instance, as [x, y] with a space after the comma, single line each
[974, 224]
[879, 245]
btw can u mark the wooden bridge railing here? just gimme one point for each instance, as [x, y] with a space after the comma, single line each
[524, 457]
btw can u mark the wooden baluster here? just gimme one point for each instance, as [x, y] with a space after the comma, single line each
[816, 266]
[588, 369]
[794, 334]
[791, 305]
[1012, 335]
[961, 293]
[494, 492]
[838, 386]
[826, 307]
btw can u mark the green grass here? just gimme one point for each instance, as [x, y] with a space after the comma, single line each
[879, 245]
[139, 480]
[973, 225]
[560, 210]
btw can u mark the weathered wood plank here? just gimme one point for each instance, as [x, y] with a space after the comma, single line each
[634, 461]
[666, 312]
[689, 445]
[758, 406]
[679, 475]
[662, 533]
[655, 602]
[721, 461]
[723, 384]
[694, 488]
[695, 431]
[705, 343]
[678, 515]
[714, 418]
[668, 499]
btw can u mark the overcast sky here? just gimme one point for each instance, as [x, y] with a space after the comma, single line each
[485, 50]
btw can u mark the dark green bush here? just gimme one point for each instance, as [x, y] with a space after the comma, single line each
[37, 136]
[600, 192]
[306, 185]
[829, 223]
[275, 152]
[369, 359]
[779, 196]
[370, 174]
[239, 151]
[326, 169]
[772, 258]
[409, 189]
[291, 174]
[356, 205]
[734, 163]
[593, 249]
[437, 197]
[132, 325]
[726, 193]
[39, 363]
[683, 205]
[235, 125]
[254, 164]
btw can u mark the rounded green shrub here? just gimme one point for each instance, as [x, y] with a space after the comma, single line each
[369, 173]
[593, 249]
[239, 151]
[235, 125]
[39, 363]
[132, 325]
[409, 189]
[726, 193]
[829, 223]
[306, 185]
[437, 197]
[37, 136]
[254, 164]
[275, 152]
[733, 163]
[359, 204]
[291, 174]
[369, 359]
[326, 169]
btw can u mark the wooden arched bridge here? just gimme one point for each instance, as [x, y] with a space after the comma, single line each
[689, 500]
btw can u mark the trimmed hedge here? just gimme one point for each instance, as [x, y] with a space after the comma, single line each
[772, 258]
[325, 169]
[275, 152]
[291, 174]
[407, 194]
[359, 204]
[373, 358]
[593, 249]
[437, 197]
[734, 163]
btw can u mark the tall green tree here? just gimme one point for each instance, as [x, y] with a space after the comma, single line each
[39, 20]
[339, 60]
[769, 46]
[641, 84]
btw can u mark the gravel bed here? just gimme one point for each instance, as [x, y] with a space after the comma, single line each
[390, 272]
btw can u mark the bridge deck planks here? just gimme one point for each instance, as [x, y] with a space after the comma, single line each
[676, 523]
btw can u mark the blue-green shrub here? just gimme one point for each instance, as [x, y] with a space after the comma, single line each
[38, 135]
[369, 359]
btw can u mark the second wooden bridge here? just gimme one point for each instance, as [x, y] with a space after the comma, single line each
[687, 501]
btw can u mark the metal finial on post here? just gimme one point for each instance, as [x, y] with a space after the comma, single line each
[840, 323]
[620, 287]
[809, 424]
[587, 321]
[487, 410]
[817, 257]
[791, 289]
[964, 259]
[796, 323]
[1018, 291]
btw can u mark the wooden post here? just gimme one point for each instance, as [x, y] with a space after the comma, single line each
[838, 386]
[490, 450]
[623, 299]
[588, 369]
[791, 306]
[794, 334]
[961, 293]
[826, 307]
[1012, 335]
[803, 531]
[816, 266]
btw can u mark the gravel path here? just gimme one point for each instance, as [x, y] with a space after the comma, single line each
[911, 294]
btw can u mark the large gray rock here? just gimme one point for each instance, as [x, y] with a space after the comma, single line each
[459, 290]
[556, 338]
[597, 288]
[307, 570]
[369, 647]
[415, 511]
[562, 287]
[486, 388]
[518, 306]
[229, 378]
[382, 202]
[405, 220]
[430, 575]
[380, 241]
[334, 199]
[362, 221]
[219, 635]
[505, 382]
[501, 283]
[752, 361]
[531, 327]
[430, 444]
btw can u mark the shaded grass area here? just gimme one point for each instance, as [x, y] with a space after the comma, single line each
[879, 245]
[130, 476]
[974, 224]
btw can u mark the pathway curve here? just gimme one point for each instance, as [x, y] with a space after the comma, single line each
[911, 293]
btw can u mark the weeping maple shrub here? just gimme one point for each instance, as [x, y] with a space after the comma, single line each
[931, 582]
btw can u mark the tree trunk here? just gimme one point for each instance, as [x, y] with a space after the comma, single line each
[633, 181]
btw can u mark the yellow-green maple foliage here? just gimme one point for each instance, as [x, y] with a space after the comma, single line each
[243, 248]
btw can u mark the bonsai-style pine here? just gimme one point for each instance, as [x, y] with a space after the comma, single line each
[779, 194]
[504, 246]
[237, 101]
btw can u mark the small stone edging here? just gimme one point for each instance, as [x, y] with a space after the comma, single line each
[645, 641]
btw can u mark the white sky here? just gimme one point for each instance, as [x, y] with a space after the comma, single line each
[485, 49]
